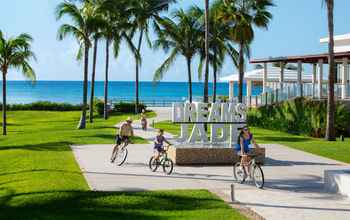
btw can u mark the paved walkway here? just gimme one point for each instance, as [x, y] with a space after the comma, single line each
[293, 179]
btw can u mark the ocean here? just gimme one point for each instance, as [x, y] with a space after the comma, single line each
[71, 91]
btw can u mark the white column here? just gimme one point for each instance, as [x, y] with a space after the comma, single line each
[320, 77]
[345, 71]
[299, 85]
[265, 78]
[231, 90]
[249, 92]
[313, 79]
[281, 75]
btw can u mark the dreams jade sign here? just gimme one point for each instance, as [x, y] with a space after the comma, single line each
[190, 113]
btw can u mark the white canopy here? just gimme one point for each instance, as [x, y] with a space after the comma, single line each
[273, 75]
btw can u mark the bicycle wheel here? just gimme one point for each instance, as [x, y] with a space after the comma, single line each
[122, 153]
[168, 166]
[258, 176]
[153, 167]
[238, 174]
[114, 156]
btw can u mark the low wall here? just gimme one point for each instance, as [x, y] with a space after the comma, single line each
[208, 154]
[337, 181]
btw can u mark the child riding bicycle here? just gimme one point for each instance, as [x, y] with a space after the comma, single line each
[123, 135]
[158, 142]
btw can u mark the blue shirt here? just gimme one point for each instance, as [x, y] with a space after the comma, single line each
[160, 141]
[245, 143]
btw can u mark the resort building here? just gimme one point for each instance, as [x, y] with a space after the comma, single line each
[280, 84]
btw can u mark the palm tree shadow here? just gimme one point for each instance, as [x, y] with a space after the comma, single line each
[50, 146]
[273, 162]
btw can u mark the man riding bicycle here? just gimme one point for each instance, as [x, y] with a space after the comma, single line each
[123, 135]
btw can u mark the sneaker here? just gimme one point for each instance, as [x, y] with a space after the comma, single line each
[113, 157]
[240, 170]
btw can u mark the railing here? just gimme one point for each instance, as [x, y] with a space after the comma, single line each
[290, 91]
[151, 103]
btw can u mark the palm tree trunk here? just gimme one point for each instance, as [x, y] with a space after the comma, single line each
[137, 74]
[189, 78]
[105, 113]
[330, 129]
[91, 109]
[214, 73]
[206, 74]
[4, 102]
[81, 124]
[241, 72]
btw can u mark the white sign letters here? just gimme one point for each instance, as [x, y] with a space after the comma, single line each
[197, 114]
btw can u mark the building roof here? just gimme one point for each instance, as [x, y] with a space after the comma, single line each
[273, 75]
[304, 59]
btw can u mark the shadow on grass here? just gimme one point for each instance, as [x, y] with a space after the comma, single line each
[103, 205]
[105, 136]
[281, 139]
[39, 170]
[50, 146]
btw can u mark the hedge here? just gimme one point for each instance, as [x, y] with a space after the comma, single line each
[44, 106]
[299, 116]
[128, 107]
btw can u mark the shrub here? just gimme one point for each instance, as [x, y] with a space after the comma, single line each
[44, 106]
[98, 106]
[128, 107]
[298, 116]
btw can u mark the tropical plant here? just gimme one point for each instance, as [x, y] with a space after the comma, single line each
[84, 25]
[220, 45]
[207, 43]
[287, 66]
[93, 5]
[242, 16]
[330, 130]
[183, 37]
[117, 16]
[146, 12]
[15, 52]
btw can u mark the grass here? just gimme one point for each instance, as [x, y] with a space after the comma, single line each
[334, 150]
[40, 179]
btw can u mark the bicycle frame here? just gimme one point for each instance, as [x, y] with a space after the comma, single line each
[251, 163]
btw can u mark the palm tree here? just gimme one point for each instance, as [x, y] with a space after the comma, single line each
[288, 66]
[207, 40]
[117, 24]
[182, 37]
[145, 12]
[220, 46]
[93, 5]
[85, 24]
[242, 15]
[330, 129]
[15, 52]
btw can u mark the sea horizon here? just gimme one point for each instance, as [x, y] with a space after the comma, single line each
[62, 91]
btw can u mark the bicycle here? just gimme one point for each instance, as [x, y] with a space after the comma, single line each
[256, 173]
[120, 154]
[144, 124]
[166, 162]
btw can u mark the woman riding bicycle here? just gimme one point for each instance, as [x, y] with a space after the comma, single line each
[242, 148]
[158, 142]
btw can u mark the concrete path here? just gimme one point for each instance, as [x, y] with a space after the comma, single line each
[293, 179]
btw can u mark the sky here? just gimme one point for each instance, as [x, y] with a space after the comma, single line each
[295, 29]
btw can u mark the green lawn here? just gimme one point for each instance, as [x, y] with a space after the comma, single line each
[40, 179]
[335, 150]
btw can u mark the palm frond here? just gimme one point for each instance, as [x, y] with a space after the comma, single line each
[159, 74]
